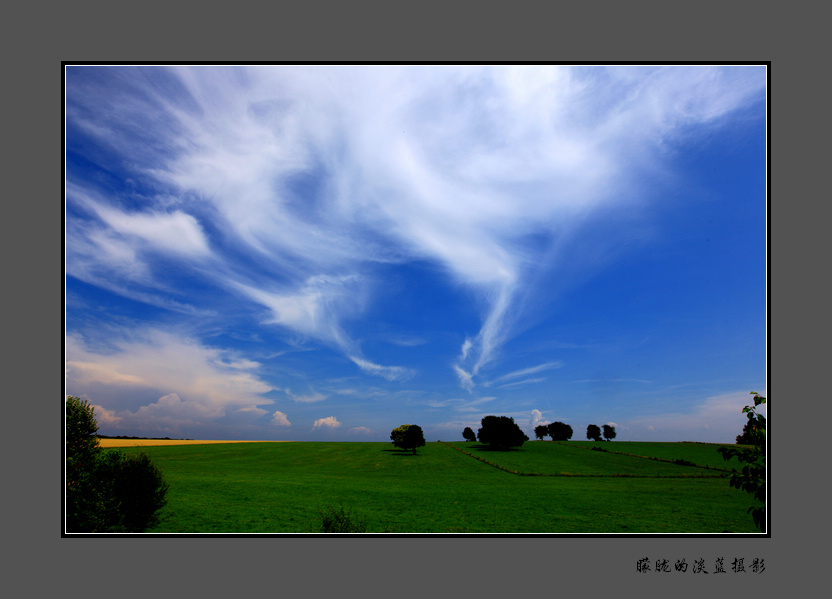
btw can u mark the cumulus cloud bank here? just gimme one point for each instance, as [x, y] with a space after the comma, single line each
[192, 383]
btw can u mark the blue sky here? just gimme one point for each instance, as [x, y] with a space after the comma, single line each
[328, 252]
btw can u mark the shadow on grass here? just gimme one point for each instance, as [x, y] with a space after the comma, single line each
[401, 452]
[487, 448]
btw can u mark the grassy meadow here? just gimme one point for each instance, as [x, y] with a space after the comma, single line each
[542, 487]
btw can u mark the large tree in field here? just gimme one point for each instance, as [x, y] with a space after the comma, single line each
[609, 432]
[408, 436]
[560, 431]
[468, 434]
[593, 432]
[501, 432]
[541, 431]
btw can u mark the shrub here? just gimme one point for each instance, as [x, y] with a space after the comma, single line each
[340, 521]
[134, 489]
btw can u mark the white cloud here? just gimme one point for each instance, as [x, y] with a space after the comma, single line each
[176, 232]
[536, 419]
[527, 371]
[522, 383]
[465, 378]
[328, 422]
[391, 373]
[280, 419]
[309, 398]
[194, 382]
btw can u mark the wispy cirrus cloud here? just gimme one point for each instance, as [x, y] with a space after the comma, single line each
[291, 186]
[312, 397]
[526, 372]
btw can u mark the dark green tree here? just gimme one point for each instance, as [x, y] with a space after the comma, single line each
[408, 436]
[560, 431]
[593, 432]
[609, 432]
[501, 432]
[84, 497]
[752, 478]
[468, 434]
[541, 431]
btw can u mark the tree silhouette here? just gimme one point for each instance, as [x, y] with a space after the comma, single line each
[408, 436]
[501, 432]
[560, 431]
[593, 432]
[609, 432]
[468, 434]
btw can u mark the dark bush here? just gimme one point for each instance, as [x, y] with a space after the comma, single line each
[134, 489]
[340, 521]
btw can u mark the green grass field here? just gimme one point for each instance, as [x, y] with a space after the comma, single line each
[568, 488]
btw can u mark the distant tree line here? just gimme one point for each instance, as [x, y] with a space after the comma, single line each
[560, 431]
[498, 432]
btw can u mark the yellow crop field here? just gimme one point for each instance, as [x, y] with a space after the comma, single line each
[109, 443]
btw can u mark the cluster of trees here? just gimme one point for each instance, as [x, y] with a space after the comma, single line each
[499, 432]
[107, 491]
[503, 432]
[408, 436]
[560, 431]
